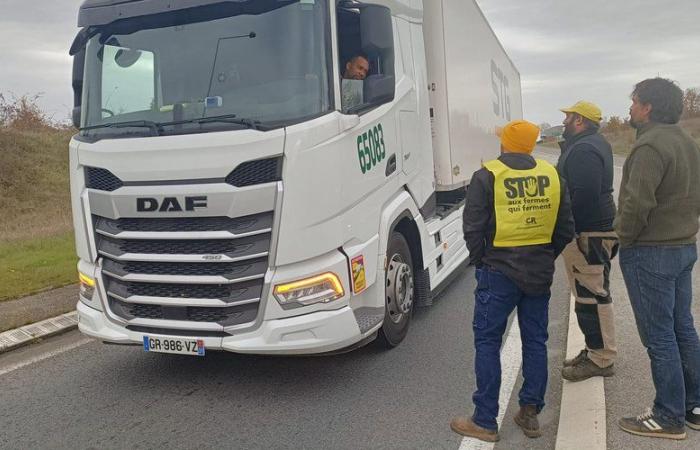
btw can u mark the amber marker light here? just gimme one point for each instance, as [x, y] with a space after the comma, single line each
[87, 287]
[308, 291]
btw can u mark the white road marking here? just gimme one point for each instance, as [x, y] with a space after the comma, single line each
[47, 355]
[511, 359]
[582, 413]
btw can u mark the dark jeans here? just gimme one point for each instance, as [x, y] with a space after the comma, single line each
[496, 297]
[660, 289]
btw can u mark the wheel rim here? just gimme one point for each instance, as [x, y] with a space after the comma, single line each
[399, 288]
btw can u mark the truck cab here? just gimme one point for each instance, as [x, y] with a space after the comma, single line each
[232, 190]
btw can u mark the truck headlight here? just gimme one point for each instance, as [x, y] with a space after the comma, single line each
[87, 286]
[319, 289]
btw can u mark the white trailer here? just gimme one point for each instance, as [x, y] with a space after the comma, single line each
[474, 87]
[224, 197]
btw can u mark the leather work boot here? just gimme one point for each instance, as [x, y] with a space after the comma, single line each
[527, 421]
[586, 369]
[466, 427]
[583, 354]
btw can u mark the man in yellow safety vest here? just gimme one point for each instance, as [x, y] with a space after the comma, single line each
[517, 220]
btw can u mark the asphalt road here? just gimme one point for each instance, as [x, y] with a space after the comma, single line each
[99, 396]
[73, 392]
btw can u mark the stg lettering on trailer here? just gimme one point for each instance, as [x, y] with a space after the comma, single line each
[500, 86]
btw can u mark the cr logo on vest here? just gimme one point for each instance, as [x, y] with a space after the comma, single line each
[526, 186]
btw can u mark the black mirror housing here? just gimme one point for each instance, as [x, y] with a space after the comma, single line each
[75, 116]
[377, 38]
[379, 89]
[77, 84]
[377, 35]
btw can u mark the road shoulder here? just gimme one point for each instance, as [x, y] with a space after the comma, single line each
[34, 308]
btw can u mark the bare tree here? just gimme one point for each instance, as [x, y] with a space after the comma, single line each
[691, 103]
[614, 123]
[23, 113]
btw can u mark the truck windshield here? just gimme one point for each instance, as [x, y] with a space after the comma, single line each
[261, 71]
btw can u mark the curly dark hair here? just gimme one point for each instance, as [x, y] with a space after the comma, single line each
[664, 96]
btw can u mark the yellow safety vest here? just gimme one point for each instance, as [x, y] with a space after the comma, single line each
[526, 203]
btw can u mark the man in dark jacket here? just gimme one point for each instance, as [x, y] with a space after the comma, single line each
[586, 163]
[516, 221]
[657, 222]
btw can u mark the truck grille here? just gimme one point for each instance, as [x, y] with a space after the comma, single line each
[102, 179]
[226, 316]
[256, 172]
[240, 247]
[208, 271]
[249, 173]
[238, 225]
[229, 271]
[145, 311]
[227, 293]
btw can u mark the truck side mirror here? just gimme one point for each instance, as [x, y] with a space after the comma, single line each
[377, 38]
[379, 89]
[78, 68]
[377, 34]
[75, 116]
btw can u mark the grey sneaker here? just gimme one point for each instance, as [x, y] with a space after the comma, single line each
[527, 421]
[692, 420]
[583, 354]
[586, 369]
[650, 425]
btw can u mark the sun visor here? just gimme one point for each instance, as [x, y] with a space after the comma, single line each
[102, 12]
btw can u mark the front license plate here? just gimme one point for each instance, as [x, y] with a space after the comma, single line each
[178, 346]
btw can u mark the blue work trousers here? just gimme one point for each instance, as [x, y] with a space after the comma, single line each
[496, 298]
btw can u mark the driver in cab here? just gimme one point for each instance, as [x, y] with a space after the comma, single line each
[351, 84]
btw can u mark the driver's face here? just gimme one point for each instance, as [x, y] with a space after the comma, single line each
[357, 69]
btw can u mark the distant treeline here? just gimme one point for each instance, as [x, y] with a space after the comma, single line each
[691, 110]
[612, 124]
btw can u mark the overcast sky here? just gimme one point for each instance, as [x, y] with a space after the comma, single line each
[596, 50]
[566, 50]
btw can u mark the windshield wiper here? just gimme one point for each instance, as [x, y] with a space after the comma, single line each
[157, 128]
[226, 118]
[153, 126]
[250, 123]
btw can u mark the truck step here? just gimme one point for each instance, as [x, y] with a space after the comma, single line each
[421, 285]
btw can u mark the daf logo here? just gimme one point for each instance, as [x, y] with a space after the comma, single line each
[170, 204]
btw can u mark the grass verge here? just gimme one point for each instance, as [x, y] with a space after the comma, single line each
[34, 187]
[31, 266]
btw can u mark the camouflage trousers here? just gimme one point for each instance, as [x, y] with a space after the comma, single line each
[587, 259]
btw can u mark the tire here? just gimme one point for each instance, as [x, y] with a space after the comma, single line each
[399, 292]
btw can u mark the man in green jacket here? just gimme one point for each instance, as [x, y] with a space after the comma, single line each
[657, 224]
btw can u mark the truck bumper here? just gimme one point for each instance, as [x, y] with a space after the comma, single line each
[318, 332]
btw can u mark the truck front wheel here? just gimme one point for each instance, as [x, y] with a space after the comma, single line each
[399, 293]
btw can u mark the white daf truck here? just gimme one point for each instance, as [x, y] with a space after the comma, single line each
[224, 196]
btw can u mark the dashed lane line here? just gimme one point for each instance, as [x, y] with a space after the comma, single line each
[511, 359]
[582, 414]
[43, 356]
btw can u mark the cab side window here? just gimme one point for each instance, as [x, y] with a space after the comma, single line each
[366, 48]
